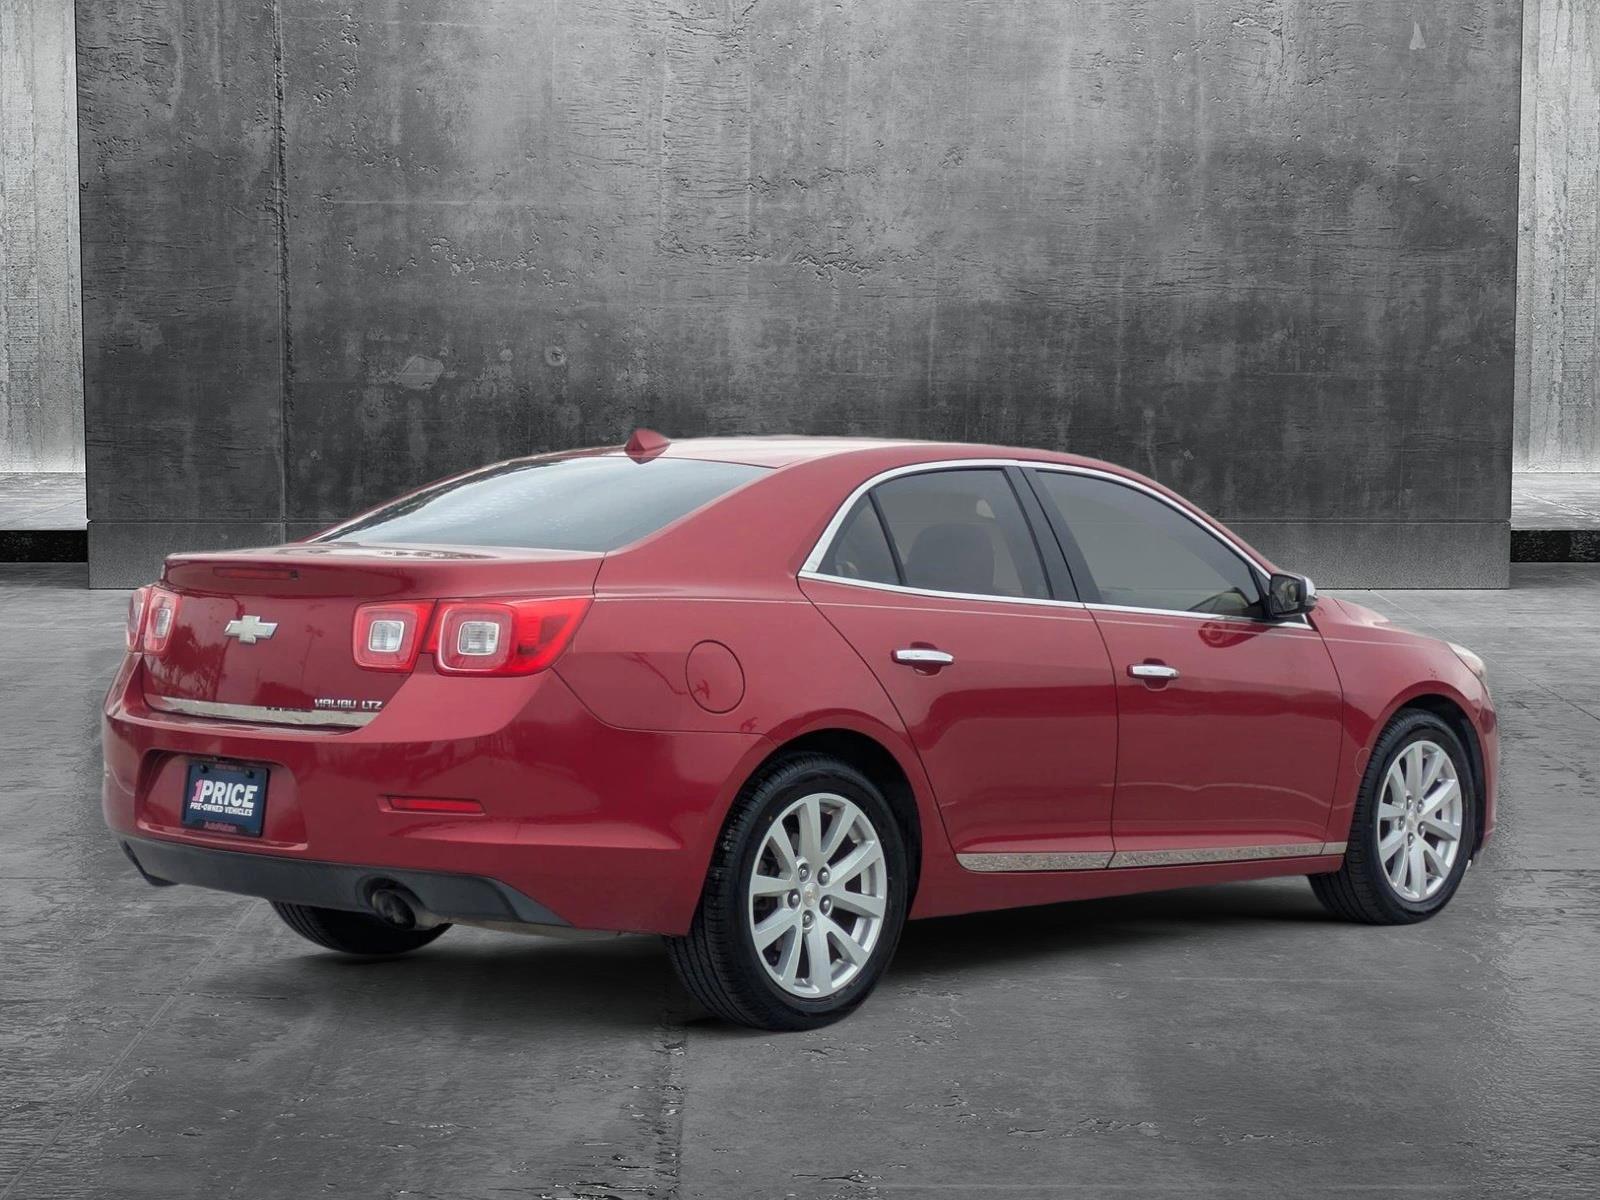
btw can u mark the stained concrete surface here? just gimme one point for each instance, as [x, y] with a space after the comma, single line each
[41, 320]
[1263, 251]
[1224, 1041]
[1557, 426]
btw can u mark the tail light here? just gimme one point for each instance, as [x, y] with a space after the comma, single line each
[503, 637]
[137, 599]
[160, 615]
[388, 636]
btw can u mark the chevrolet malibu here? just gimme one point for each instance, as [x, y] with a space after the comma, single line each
[770, 699]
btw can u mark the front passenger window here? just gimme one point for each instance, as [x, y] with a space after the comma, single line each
[1142, 553]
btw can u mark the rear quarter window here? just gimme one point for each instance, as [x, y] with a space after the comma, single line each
[861, 551]
[592, 503]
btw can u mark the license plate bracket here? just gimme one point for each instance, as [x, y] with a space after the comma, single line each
[225, 797]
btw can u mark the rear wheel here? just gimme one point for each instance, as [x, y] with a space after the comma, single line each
[1413, 829]
[804, 902]
[353, 932]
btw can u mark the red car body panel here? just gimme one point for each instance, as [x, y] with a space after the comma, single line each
[605, 779]
[1241, 749]
[595, 822]
[1382, 668]
[1022, 738]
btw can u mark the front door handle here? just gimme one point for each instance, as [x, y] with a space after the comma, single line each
[922, 656]
[1148, 670]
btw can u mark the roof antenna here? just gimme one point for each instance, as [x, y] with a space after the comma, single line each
[645, 444]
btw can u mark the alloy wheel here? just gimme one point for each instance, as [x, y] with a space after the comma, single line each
[1419, 820]
[817, 895]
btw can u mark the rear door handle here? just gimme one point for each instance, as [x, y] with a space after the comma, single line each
[919, 656]
[1152, 671]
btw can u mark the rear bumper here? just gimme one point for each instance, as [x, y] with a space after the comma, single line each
[593, 826]
[332, 885]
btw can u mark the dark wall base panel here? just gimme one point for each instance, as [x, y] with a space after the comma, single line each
[1555, 545]
[1345, 554]
[295, 531]
[128, 553]
[1387, 554]
[44, 545]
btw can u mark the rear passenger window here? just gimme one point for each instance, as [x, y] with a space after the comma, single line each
[961, 531]
[861, 551]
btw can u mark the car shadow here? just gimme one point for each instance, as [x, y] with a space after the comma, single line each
[626, 983]
[1052, 930]
[468, 976]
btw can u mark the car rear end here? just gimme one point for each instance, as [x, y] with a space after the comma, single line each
[369, 719]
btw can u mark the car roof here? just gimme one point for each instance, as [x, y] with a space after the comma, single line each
[787, 450]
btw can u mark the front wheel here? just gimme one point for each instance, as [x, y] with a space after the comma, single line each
[1414, 826]
[804, 902]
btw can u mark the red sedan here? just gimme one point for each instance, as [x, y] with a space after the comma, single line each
[771, 697]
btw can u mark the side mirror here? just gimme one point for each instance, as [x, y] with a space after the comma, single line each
[1290, 596]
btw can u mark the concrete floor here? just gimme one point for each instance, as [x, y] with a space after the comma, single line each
[1555, 500]
[42, 500]
[1225, 1041]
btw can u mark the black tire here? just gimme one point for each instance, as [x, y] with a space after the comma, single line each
[1360, 890]
[353, 932]
[717, 959]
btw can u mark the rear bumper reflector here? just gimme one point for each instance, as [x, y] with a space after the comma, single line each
[433, 804]
[259, 714]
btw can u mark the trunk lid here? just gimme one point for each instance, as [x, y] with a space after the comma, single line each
[308, 594]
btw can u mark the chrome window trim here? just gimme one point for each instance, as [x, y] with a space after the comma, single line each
[258, 714]
[811, 568]
[813, 562]
[1297, 623]
[1203, 523]
[1186, 856]
[911, 591]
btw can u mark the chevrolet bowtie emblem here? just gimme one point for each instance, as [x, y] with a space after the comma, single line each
[249, 629]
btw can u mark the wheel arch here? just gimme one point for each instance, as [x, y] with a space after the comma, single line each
[869, 755]
[1453, 713]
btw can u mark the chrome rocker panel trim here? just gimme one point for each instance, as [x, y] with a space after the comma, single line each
[1188, 856]
[1075, 861]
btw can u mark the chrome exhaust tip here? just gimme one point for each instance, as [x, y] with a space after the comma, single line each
[392, 907]
[398, 906]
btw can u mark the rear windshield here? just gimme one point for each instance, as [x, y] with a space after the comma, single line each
[561, 504]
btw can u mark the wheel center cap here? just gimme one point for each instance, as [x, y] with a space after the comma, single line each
[809, 894]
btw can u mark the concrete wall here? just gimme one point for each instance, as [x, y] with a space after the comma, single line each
[1260, 249]
[1558, 315]
[41, 348]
